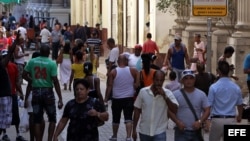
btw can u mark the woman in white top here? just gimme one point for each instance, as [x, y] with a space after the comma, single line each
[199, 51]
[19, 59]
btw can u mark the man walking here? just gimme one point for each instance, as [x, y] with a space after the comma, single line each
[153, 102]
[56, 39]
[187, 122]
[41, 72]
[122, 81]
[149, 46]
[175, 57]
[95, 43]
[223, 96]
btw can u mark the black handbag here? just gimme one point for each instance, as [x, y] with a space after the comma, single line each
[199, 131]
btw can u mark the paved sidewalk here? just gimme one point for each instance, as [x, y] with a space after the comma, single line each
[105, 131]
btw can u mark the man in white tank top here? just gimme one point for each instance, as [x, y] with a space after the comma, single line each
[122, 81]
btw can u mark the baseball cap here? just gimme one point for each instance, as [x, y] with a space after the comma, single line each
[138, 46]
[187, 72]
[177, 37]
[4, 52]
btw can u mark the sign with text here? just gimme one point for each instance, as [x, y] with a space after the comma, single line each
[236, 132]
[209, 7]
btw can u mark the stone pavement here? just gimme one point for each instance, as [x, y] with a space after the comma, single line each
[105, 131]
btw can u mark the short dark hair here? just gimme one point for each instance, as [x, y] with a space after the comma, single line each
[172, 75]
[149, 35]
[84, 82]
[197, 35]
[229, 49]
[223, 67]
[111, 40]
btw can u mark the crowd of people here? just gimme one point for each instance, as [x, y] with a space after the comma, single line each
[135, 85]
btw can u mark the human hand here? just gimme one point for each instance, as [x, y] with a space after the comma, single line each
[238, 118]
[92, 112]
[180, 125]
[197, 125]
[60, 104]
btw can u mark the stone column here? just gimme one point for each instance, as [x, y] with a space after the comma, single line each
[241, 41]
[120, 24]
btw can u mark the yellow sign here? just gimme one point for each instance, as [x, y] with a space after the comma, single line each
[209, 7]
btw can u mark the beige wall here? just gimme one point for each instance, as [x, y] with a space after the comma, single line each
[160, 23]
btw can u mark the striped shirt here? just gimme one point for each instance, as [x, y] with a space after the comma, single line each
[96, 43]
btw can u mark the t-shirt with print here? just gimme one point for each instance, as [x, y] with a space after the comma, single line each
[42, 69]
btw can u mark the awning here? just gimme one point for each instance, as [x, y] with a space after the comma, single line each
[9, 1]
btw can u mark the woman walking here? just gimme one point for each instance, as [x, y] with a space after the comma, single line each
[65, 66]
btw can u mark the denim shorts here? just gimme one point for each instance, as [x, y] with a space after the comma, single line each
[125, 105]
[159, 137]
[43, 99]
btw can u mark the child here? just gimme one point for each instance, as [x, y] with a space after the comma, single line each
[173, 84]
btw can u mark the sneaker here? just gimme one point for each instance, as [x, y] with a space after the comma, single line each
[5, 138]
[112, 138]
[20, 138]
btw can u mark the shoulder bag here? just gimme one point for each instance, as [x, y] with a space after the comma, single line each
[199, 132]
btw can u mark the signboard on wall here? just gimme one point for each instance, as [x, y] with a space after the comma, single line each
[216, 8]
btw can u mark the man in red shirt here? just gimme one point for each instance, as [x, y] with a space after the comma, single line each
[150, 47]
[15, 87]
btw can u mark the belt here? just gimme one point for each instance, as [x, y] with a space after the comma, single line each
[222, 116]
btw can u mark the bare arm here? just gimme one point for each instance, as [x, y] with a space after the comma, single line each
[205, 115]
[109, 85]
[240, 110]
[187, 58]
[58, 91]
[28, 90]
[167, 59]
[61, 125]
[174, 118]
[137, 113]
[26, 76]
[71, 79]
[97, 87]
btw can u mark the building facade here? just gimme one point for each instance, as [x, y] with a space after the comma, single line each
[126, 20]
[50, 10]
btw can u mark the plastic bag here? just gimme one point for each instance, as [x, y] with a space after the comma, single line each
[24, 122]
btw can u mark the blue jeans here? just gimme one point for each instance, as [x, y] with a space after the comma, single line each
[185, 135]
[159, 137]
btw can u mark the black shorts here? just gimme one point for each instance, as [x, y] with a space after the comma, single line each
[123, 104]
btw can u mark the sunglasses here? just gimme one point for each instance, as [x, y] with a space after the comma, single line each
[188, 72]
